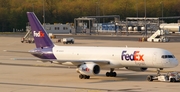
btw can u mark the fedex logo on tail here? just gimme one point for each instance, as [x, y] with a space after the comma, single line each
[38, 34]
[136, 56]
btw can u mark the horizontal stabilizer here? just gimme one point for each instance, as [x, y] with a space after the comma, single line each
[16, 51]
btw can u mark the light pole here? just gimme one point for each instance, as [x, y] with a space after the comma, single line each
[97, 14]
[162, 6]
[33, 7]
[137, 7]
[43, 14]
[145, 17]
[96, 8]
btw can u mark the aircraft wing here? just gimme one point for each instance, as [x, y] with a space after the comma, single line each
[75, 62]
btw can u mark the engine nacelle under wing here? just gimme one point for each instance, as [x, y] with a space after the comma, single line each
[136, 68]
[88, 69]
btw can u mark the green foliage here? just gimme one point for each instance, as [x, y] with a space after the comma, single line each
[13, 12]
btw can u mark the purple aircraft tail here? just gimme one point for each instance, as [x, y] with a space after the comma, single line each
[40, 36]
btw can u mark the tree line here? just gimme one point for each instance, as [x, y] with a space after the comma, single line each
[13, 12]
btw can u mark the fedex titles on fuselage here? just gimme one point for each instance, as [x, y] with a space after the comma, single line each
[136, 56]
[38, 34]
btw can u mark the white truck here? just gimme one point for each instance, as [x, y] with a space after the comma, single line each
[68, 40]
[169, 77]
[159, 36]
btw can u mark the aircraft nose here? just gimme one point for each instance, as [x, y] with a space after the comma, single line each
[174, 63]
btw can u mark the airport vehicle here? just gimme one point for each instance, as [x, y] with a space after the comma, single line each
[172, 27]
[68, 40]
[159, 36]
[90, 59]
[52, 36]
[169, 77]
[27, 38]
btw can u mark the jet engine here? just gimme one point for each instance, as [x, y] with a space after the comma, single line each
[88, 69]
[141, 69]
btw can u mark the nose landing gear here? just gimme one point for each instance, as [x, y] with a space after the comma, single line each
[158, 71]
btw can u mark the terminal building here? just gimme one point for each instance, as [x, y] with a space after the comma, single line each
[93, 25]
[56, 28]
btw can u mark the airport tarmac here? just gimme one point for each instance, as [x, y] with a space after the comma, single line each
[32, 76]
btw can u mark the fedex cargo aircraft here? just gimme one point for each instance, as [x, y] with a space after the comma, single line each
[90, 60]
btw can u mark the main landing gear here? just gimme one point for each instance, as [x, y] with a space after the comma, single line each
[81, 76]
[108, 74]
[111, 73]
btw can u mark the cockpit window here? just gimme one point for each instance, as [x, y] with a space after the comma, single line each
[163, 56]
[167, 56]
[170, 56]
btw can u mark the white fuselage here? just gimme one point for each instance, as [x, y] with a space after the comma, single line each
[118, 57]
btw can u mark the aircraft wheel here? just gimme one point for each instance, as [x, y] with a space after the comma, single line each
[150, 78]
[172, 80]
[84, 76]
[81, 76]
[111, 74]
[114, 74]
[29, 41]
[87, 77]
[108, 74]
